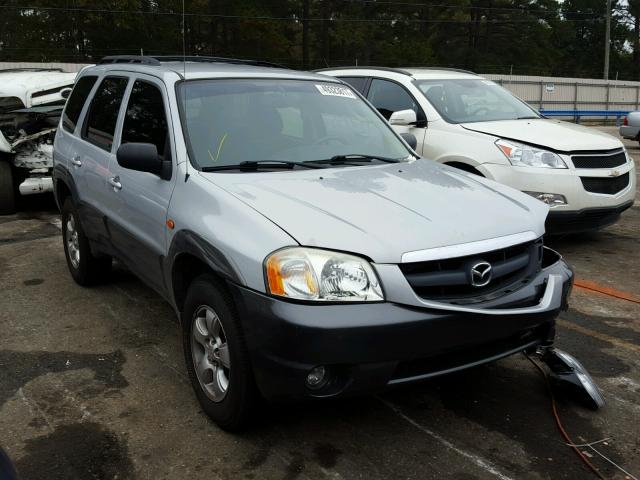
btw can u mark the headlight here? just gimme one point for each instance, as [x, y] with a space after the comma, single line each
[526, 156]
[321, 275]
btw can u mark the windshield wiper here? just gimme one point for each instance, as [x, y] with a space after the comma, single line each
[353, 157]
[254, 165]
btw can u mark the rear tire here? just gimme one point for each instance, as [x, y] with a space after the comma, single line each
[85, 268]
[216, 355]
[7, 189]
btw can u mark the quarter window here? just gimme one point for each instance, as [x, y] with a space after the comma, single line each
[145, 120]
[76, 101]
[389, 97]
[103, 112]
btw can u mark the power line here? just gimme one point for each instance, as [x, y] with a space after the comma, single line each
[291, 18]
[467, 7]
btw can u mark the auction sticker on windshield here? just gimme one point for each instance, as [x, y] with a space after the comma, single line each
[336, 91]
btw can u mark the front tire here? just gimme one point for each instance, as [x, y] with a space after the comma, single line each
[216, 355]
[85, 268]
[7, 189]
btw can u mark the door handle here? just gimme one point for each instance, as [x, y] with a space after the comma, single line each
[76, 161]
[115, 183]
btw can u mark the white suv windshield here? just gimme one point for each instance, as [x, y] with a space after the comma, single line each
[233, 121]
[473, 100]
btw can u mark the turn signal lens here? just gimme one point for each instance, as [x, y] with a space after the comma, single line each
[506, 149]
[291, 277]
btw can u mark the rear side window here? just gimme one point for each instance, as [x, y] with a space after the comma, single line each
[76, 101]
[100, 124]
[145, 120]
[356, 82]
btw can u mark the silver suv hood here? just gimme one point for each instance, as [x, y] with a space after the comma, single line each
[553, 134]
[384, 211]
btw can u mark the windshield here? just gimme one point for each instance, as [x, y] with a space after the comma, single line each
[473, 100]
[233, 121]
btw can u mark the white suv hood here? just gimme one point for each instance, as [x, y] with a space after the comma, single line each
[385, 211]
[553, 134]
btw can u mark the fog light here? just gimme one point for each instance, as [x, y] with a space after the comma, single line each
[316, 377]
[551, 199]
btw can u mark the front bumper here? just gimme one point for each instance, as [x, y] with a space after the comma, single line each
[368, 347]
[559, 223]
[565, 182]
[629, 131]
[35, 185]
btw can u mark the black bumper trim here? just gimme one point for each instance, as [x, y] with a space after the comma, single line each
[584, 220]
[456, 368]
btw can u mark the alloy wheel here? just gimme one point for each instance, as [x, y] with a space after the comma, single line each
[210, 353]
[73, 244]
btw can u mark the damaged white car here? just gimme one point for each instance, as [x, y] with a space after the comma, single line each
[31, 101]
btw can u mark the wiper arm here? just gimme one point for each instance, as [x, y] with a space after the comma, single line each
[353, 157]
[253, 165]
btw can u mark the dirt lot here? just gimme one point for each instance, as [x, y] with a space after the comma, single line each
[92, 386]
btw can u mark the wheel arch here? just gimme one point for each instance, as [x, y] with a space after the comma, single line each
[63, 186]
[464, 165]
[191, 256]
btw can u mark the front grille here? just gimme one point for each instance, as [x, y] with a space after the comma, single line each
[605, 185]
[600, 160]
[450, 279]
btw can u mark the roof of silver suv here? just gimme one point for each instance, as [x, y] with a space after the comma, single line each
[202, 67]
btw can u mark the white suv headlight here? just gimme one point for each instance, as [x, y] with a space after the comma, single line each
[527, 156]
[321, 275]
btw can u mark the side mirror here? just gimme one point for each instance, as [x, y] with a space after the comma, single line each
[65, 92]
[142, 157]
[403, 117]
[411, 139]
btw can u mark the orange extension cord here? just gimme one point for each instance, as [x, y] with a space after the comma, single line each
[563, 432]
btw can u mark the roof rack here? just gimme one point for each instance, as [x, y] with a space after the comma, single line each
[397, 70]
[386, 69]
[208, 59]
[449, 69]
[137, 59]
[156, 60]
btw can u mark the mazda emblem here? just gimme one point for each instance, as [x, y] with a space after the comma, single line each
[480, 274]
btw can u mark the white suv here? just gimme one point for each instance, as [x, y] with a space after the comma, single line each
[469, 122]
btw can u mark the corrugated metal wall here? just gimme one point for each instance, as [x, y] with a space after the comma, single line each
[65, 67]
[555, 93]
[547, 93]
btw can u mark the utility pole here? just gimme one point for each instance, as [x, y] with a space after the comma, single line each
[607, 41]
[305, 34]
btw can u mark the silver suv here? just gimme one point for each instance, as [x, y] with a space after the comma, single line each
[306, 249]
